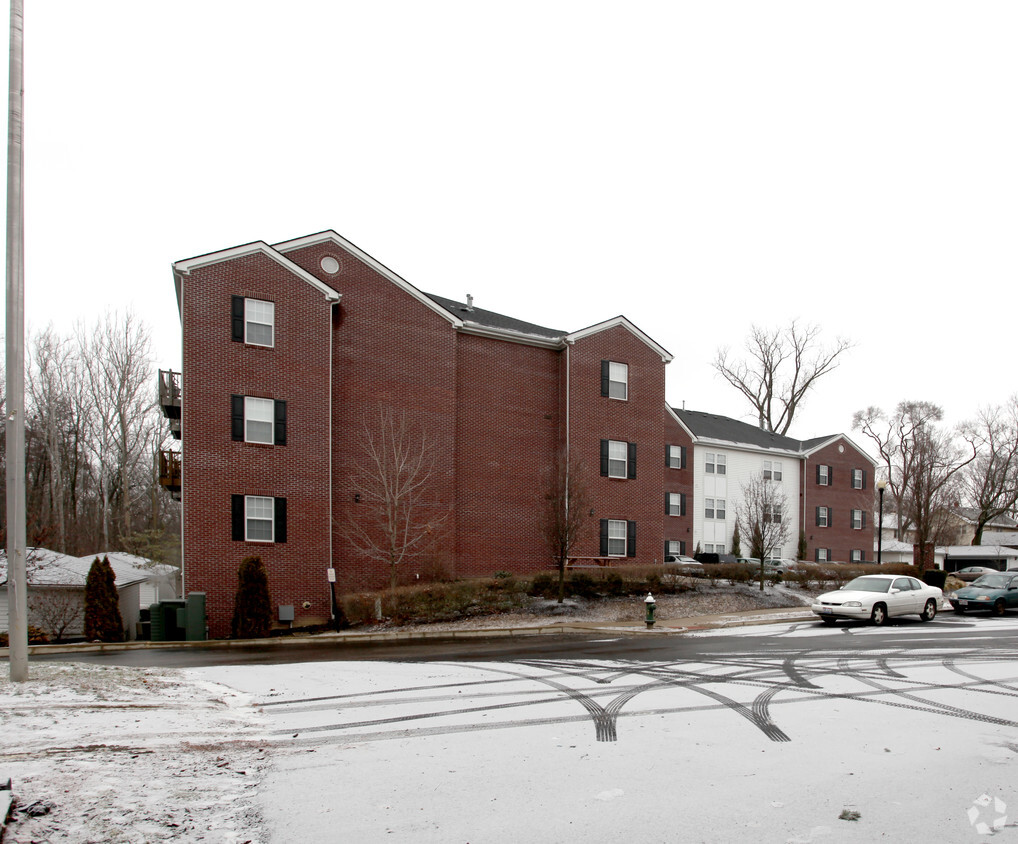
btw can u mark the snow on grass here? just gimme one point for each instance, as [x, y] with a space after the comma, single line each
[105, 754]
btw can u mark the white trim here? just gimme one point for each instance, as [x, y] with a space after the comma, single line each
[666, 356]
[189, 265]
[509, 336]
[330, 236]
[682, 424]
[833, 439]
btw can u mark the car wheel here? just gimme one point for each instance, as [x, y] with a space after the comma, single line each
[828, 621]
[879, 615]
[929, 611]
[998, 607]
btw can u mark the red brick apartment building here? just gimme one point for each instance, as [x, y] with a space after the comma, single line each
[289, 348]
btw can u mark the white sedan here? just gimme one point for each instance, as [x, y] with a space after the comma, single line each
[877, 597]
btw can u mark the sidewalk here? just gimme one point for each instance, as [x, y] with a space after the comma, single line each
[661, 627]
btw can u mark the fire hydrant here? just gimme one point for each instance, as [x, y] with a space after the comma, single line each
[651, 606]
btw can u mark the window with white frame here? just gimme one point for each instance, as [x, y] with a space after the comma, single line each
[674, 504]
[722, 464]
[823, 555]
[673, 459]
[856, 556]
[823, 516]
[616, 538]
[618, 453]
[772, 470]
[857, 479]
[259, 418]
[719, 508]
[708, 548]
[708, 508]
[673, 547]
[823, 475]
[772, 512]
[615, 380]
[719, 549]
[708, 462]
[259, 322]
[858, 520]
[259, 519]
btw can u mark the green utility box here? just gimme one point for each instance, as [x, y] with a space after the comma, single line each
[195, 626]
[179, 621]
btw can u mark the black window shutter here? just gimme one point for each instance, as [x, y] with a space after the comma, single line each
[668, 455]
[237, 418]
[830, 517]
[604, 537]
[683, 457]
[818, 517]
[632, 461]
[604, 458]
[280, 520]
[280, 426]
[682, 546]
[830, 476]
[237, 502]
[605, 376]
[863, 518]
[237, 321]
[818, 473]
[864, 479]
[682, 506]
[816, 555]
[667, 552]
[630, 539]
[668, 503]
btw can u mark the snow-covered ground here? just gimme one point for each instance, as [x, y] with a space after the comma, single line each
[798, 744]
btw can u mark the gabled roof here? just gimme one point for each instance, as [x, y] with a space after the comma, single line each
[971, 515]
[51, 568]
[722, 429]
[620, 321]
[478, 319]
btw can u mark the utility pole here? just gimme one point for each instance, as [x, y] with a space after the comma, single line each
[17, 576]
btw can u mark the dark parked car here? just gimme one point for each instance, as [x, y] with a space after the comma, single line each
[992, 592]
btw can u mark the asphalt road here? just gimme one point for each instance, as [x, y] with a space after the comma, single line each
[970, 632]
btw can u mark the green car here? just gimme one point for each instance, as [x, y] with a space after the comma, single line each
[992, 592]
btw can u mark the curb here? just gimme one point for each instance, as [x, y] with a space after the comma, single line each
[634, 628]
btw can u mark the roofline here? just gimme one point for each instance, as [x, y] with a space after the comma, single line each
[740, 446]
[832, 438]
[510, 336]
[666, 356]
[682, 424]
[187, 266]
[329, 236]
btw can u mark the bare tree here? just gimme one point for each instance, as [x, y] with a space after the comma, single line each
[923, 463]
[991, 480]
[57, 610]
[782, 365]
[118, 377]
[397, 517]
[565, 515]
[763, 516]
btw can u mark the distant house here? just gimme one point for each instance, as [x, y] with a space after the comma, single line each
[56, 589]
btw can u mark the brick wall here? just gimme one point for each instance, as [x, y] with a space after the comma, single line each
[680, 481]
[840, 537]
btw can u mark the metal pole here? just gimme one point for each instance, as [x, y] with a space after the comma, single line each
[17, 576]
[880, 529]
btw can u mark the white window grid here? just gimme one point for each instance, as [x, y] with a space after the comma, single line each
[719, 509]
[857, 520]
[618, 459]
[674, 504]
[258, 419]
[616, 538]
[618, 380]
[259, 322]
[855, 556]
[708, 465]
[673, 546]
[857, 479]
[825, 476]
[722, 464]
[821, 555]
[674, 457]
[708, 508]
[823, 517]
[259, 522]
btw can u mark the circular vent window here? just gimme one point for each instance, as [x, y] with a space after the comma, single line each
[330, 265]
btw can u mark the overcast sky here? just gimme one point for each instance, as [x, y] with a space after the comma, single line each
[696, 166]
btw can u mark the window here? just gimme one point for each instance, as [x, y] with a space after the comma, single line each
[715, 463]
[722, 464]
[708, 508]
[719, 509]
[618, 459]
[675, 504]
[772, 513]
[856, 557]
[823, 475]
[258, 420]
[858, 479]
[259, 518]
[822, 555]
[858, 519]
[675, 456]
[674, 547]
[618, 538]
[823, 516]
[708, 465]
[772, 470]
[708, 548]
[719, 549]
[614, 380]
[254, 321]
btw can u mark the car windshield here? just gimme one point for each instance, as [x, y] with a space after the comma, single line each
[992, 581]
[868, 584]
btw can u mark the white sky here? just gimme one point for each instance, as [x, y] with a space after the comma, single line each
[695, 166]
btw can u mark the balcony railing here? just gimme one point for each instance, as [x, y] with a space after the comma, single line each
[169, 399]
[169, 472]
